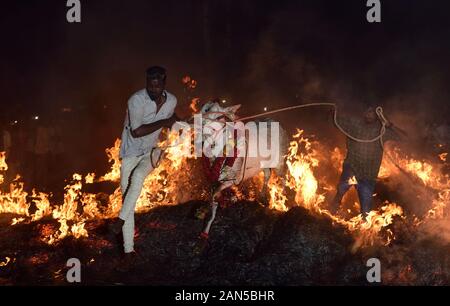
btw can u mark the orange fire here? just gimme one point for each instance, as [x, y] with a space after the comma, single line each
[277, 197]
[3, 165]
[431, 176]
[353, 181]
[14, 201]
[304, 160]
[43, 205]
[6, 262]
[170, 183]
[194, 105]
[113, 157]
[189, 82]
[301, 161]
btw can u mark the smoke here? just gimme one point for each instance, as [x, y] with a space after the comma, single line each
[329, 52]
[322, 53]
[439, 229]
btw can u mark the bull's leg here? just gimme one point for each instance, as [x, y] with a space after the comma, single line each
[204, 235]
[214, 205]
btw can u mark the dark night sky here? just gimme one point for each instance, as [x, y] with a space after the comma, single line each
[46, 59]
[261, 52]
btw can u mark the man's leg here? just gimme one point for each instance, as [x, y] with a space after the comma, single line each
[131, 195]
[342, 187]
[365, 193]
[126, 168]
[128, 233]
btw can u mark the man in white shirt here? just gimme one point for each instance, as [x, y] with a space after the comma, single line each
[149, 111]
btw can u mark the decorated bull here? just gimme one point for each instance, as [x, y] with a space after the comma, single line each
[234, 152]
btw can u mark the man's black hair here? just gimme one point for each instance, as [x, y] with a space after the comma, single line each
[156, 73]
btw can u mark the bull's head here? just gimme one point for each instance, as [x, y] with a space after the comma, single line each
[214, 119]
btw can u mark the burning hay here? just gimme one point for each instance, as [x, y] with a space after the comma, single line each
[296, 240]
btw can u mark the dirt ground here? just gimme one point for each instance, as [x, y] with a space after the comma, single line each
[248, 245]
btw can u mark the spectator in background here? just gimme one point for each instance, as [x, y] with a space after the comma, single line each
[24, 139]
[57, 152]
[5, 141]
[42, 153]
[5, 146]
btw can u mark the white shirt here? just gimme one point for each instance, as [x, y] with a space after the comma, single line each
[142, 110]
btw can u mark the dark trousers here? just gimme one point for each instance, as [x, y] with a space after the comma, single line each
[364, 187]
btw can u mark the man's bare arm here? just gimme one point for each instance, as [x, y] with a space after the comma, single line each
[147, 129]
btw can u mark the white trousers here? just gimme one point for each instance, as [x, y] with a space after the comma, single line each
[133, 172]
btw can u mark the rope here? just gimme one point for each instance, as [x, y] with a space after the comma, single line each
[378, 110]
[162, 152]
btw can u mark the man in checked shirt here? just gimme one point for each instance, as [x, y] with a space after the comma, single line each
[363, 160]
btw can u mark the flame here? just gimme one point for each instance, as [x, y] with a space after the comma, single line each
[43, 205]
[366, 231]
[166, 185]
[420, 169]
[15, 201]
[336, 159]
[17, 221]
[3, 165]
[113, 157]
[277, 197]
[68, 211]
[311, 174]
[194, 105]
[189, 82]
[6, 262]
[89, 179]
[301, 161]
[353, 181]
[162, 186]
[431, 176]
